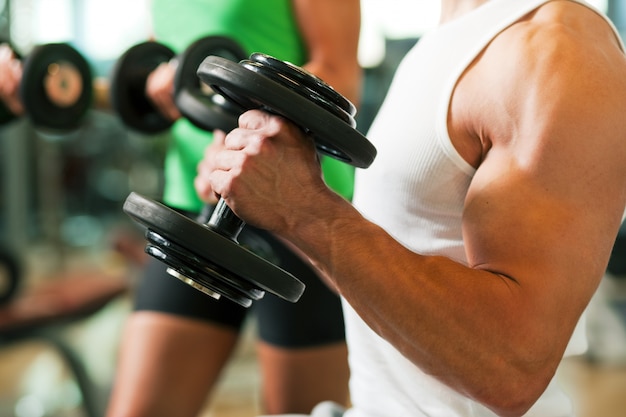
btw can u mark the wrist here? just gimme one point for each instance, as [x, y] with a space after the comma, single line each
[317, 226]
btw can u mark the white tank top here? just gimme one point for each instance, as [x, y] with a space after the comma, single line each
[415, 190]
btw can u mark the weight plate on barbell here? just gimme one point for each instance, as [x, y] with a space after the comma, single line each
[249, 89]
[10, 274]
[206, 277]
[128, 87]
[304, 83]
[197, 102]
[6, 115]
[212, 251]
[56, 87]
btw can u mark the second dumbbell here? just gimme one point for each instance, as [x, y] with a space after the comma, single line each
[196, 102]
[55, 88]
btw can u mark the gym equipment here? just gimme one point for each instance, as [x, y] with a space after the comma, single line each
[209, 257]
[55, 88]
[201, 105]
[197, 103]
[6, 116]
[10, 274]
[290, 91]
[128, 84]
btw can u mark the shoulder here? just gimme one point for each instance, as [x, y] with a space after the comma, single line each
[560, 35]
[559, 41]
[556, 62]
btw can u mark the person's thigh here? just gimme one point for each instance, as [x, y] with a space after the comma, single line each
[157, 290]
[295, 380]
[167, 364]
[175, 345]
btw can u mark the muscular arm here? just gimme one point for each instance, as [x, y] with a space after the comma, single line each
[540, 217]
[331, 30]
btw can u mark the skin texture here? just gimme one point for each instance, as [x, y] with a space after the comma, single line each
[152, 354]
[11, 75]
[539, 114]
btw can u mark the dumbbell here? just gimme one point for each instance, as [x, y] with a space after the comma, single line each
[196, 102]
[55, 88]
[208, 256]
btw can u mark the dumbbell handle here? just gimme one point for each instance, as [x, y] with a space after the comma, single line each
[222, 220]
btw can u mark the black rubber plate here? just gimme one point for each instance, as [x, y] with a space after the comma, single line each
[43, 112]
[128, 83]
[214, 248]
[6, 116]
[200, 274]
[10, 275]
[201, 108]
[332, 136]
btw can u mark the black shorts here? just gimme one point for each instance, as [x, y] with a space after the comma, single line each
[316, 319]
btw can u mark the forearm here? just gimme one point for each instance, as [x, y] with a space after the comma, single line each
[490, 348]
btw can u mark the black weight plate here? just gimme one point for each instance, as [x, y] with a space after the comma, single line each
[203, 108]
[306, 79]
[73, 85]
[10, 271]
[250, 90]
[128, 85]
[213, 248]
[206, 112]
[6, 116]
[297, 87]
[192, 261]
[199, 273]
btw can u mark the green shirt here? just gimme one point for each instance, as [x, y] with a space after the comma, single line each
[266, 26]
